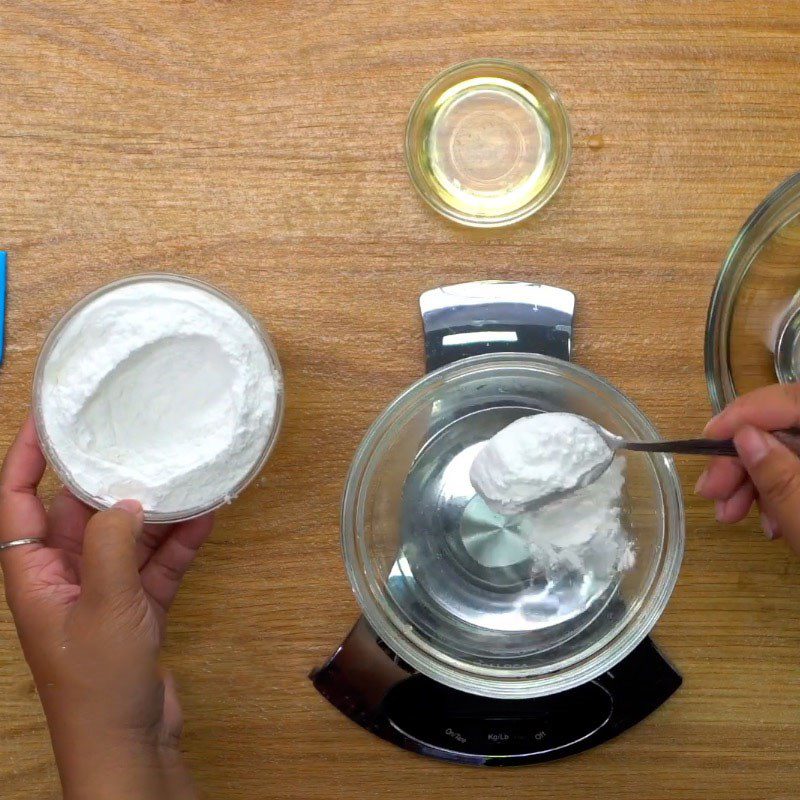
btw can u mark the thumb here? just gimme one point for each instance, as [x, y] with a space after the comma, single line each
[110, 566]
[775, 472]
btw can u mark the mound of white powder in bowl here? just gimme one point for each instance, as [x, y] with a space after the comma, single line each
[584, 529]
[160, 391]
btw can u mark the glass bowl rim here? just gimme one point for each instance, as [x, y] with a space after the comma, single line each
[776, 210]
[51, 455]
[445, 669]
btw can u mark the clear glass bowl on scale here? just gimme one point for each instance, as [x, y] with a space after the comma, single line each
[753, 327]
[413, 536]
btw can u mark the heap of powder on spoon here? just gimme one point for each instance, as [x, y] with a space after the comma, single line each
[543, 454]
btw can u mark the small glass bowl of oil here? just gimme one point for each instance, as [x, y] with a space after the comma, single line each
[488, 143]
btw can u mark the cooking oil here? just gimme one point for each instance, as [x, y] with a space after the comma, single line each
[488, 143]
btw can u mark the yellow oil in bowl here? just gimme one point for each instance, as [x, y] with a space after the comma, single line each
[487, 143]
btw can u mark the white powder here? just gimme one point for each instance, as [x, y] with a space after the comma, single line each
[536, 455]
[159, 391]
[583, 529]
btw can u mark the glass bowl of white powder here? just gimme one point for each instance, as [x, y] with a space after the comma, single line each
[507, 606]
[159, 388]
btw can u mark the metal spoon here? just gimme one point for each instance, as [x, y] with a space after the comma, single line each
[790, 438]
[692, 447]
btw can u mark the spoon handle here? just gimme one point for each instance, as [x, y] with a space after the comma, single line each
[790, 438]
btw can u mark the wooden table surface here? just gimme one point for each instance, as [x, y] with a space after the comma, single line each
[258, 145]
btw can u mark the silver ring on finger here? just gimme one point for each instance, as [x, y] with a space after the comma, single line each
[20, 542]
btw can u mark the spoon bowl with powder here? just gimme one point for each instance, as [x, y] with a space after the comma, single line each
[547, 457]
[538, 459]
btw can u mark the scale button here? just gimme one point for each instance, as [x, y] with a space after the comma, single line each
[457, 734]
[440, 717]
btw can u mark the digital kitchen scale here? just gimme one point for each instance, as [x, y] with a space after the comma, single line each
[373, 686]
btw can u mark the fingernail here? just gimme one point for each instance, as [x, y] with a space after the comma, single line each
[752, 446]
[769, 527]
[712, 421]
[719, 510]
[131, 506]
[701, 482]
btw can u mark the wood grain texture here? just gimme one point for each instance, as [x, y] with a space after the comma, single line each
[258, 144]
